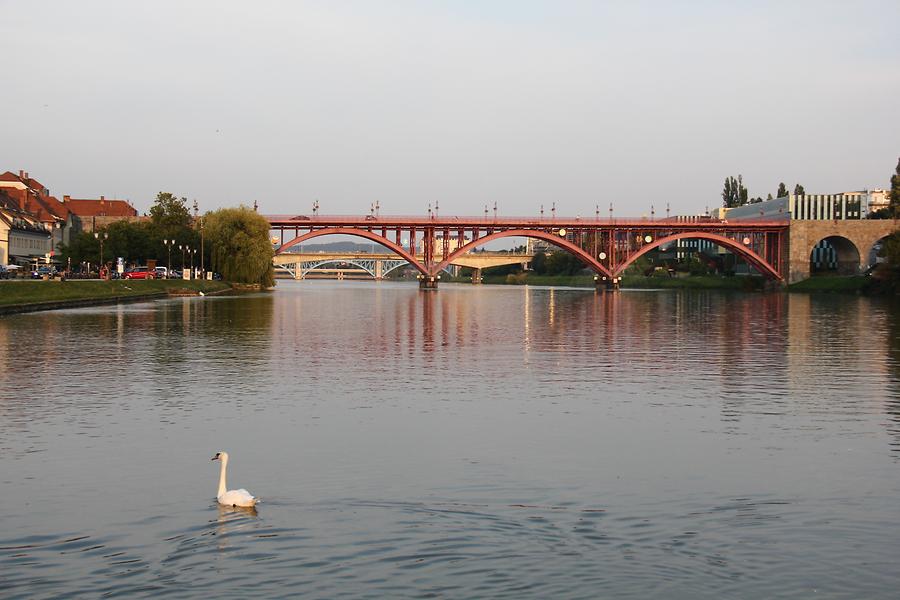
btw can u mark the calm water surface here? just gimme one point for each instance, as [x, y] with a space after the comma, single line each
[476, 442]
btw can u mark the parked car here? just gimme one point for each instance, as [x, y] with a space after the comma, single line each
[42, 272]
[138, 273]
[161, 273]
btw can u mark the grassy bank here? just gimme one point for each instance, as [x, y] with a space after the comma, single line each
[533, 279]
[694, 282]
[832, 283]
[705, 282]
[14, 293]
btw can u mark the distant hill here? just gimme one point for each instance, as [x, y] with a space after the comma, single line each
[345, 246]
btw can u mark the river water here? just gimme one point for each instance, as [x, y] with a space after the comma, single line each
[475, 442]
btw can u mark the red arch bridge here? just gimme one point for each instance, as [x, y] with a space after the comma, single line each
[606, 246]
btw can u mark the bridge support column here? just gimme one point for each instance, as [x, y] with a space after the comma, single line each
[603, 283]
[428, 282]
[378, 271]
[298, 272]
[476, 276]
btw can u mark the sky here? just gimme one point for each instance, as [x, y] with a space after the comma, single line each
[464, 104]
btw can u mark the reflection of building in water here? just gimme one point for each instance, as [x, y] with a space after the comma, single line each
[826, 326]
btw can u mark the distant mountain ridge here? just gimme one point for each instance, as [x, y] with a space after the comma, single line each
[345, 246]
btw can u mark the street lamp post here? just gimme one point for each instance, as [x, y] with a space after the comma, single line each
[169, 244]
[202, 267]
[193, 252]
[98, 236]
[182, 247]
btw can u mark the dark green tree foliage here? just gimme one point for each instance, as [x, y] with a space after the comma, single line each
[895, 193]
[132, 240]
[563, 263]
[170, 212]
[539, 263]
[241, 250]
[734, 194]
[799, 191]
[139, 241]
[782, 190]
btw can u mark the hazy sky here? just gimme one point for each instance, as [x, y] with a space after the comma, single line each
[463, 103]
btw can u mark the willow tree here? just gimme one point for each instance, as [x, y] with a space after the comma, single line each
[239, 240]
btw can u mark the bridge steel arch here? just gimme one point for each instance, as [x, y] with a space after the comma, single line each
[556, 240]
[374, 237]
[752, 257]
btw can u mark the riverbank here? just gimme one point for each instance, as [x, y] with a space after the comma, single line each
[706, 282]
[830, 283]
[817, 284]
[28, 296]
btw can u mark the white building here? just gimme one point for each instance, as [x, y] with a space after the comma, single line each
[23, 238]
[812, 207]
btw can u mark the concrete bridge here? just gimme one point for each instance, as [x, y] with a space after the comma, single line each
[301, 264]
[777, 247]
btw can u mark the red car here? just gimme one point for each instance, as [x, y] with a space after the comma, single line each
[139, 273]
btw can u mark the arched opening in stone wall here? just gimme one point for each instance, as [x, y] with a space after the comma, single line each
[834, 255]
[875, 256]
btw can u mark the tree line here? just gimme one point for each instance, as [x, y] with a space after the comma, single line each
[735, 193]
[235, 241]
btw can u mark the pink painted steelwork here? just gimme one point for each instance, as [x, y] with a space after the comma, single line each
[761, 243]
[541, 235]
[358, 233]
[752, 257]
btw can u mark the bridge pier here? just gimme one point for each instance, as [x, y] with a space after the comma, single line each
[378, 271]
[298, 272]
[603, 283]
[428, 282]
[476, 275]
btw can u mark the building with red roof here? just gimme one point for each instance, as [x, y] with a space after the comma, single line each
[23, 238]
[31, 200]
[27, 195]
[93, 214]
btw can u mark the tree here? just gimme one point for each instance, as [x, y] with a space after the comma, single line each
[768, 196]
[539, 263]
[169, 212]
[734, 194]
[782, 190]
[561, 262]
[240, 246]
[799, 191]
[895, 193]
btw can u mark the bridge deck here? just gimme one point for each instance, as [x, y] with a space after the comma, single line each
[457, 222]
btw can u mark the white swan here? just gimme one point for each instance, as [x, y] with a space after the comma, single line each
[225, 497]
